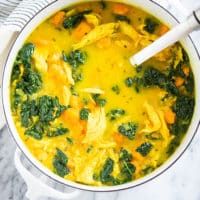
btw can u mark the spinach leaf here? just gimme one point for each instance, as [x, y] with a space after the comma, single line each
[116, 89]
[125, 155]
[115, 113]
[129, 81]
[57, 131]
[144, 149]
[15, 72]
[49, 108]
[75, 58]
[122, 18]
[37, 114]
[127, 171]
[28, 110]
[84, 113]
[25, 54]
[105, 173]
[184, 107]
[36, 131]
[128, 129]
[103, 4]
[126, 167]
[17, 98]
[74, 20]
[150, 25]
[148, 170]
[60, 163]
[153, 77]
[69, 140]
[99, 101]
[30, 82]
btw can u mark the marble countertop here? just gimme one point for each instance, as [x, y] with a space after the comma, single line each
[180, 182]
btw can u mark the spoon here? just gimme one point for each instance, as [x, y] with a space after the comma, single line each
[172, 36]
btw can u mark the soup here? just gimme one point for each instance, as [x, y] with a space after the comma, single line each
[80, 107]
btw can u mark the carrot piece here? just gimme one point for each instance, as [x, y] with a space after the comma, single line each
[137, 156]
[179, 81]
[82, 29]
[118, 138]
[75, 102]
[186, 70]
[71, 116]
[120, 9]
[42, 42]
[170, 116]
[58, 18]
[163, 29]
[104, 43]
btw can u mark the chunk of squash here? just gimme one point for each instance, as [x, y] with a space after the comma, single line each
[96, 34]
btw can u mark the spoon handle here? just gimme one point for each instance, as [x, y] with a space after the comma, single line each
[172, 36]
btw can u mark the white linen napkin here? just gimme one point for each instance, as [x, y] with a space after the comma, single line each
[14, 14]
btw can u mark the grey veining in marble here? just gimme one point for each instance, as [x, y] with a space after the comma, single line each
[180, 182]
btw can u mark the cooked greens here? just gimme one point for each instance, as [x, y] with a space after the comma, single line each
[145, 148]
[60, 163]
[75, 58]
[115, 113]
[128, 129]
[74, 20]
[84, 111]
[99, 101]
[36, 115]
[150, 25]
[105, 173]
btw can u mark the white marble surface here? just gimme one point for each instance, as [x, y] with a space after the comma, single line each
[180, 182]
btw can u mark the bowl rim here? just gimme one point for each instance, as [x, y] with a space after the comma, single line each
[56, 178]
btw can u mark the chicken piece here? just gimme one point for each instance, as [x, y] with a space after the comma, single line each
[123, 43]
[93, 90]
[96, 34]
[164, 129]
[153, 123]
[68, 71]
[63, 68]
[39, 57]
[84, 173]
[93, 19]
[66, 95]
[128, 30]
[96, 125]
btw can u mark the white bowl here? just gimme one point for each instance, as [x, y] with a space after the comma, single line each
[152, 8]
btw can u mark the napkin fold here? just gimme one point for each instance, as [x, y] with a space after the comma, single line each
[14, 14]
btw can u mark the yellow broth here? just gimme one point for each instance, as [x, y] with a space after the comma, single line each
[81, 108]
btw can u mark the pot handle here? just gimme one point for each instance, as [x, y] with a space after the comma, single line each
[36, 188]
[6, 39]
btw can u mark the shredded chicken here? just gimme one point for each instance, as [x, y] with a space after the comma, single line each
[66, 95]
[68, 71]
[96, 34]
[96, 125]
[93, 19]
[153, 122]
[40, 56]
[93, 90]
[128, 30]
[164, 129]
